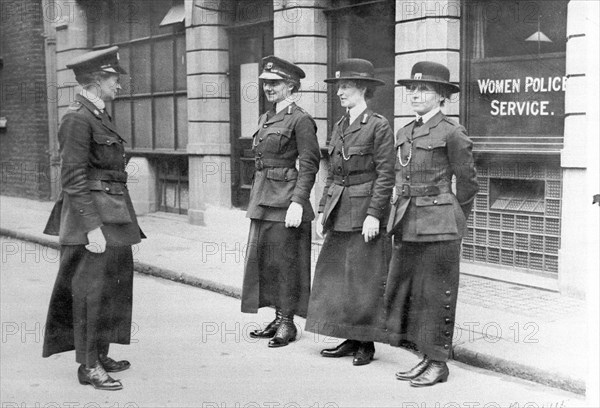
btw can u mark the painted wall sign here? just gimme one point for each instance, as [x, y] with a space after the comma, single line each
[519, 99]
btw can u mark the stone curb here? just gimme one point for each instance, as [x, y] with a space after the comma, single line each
[514, 369]
[460, 353]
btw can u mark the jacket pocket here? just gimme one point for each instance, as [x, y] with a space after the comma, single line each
[434, 152]
[278, 187]
[435, 215]
[360, 199]
[111, 201]
[277, 139]
[360, 158]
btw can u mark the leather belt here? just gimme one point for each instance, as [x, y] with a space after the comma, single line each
[353, 179]
[260, 163]
[407, 190]
[107, 175]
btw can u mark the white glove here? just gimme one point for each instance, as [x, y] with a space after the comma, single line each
[293, 217]
[97, 242]
[370, 228]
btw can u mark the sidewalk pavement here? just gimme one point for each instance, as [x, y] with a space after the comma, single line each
[525, 332]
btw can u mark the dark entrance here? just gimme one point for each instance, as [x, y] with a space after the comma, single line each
[248, 45]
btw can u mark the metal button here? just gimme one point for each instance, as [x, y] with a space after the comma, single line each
[81, 211]
[408, 177]
[106, 189]
[448, 293]
[447, 307]
[259, 154]
[264, 126]
[446, 346]
[447, 333]
[279, 132]
[259, 139]
[429, 147]
[435, 201]
[447, 320]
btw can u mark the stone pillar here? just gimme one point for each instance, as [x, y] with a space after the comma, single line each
[71, 41]
[209, 148]
[141, 182]
[578, 255]
[300, 36]
[426, 30]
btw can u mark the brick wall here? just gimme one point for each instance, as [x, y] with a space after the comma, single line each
[24, 144]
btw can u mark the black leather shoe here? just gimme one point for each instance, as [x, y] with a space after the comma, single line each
[112, 366]
[413, 372]
[436, 371]
[98, 378]
[270, 330]
[365, 353]
[285, 334]
[346, 348]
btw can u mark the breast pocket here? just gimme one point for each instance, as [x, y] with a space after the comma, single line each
[277, 140]
[435, 215]
[108, 150]
[359, 158]
[432, 153]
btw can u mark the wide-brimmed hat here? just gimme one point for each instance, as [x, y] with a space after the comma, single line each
[276, 68]
[355, 69]
[430, 72]
[104, 60]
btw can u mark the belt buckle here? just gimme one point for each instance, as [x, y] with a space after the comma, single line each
[258, 163]
[405, 190]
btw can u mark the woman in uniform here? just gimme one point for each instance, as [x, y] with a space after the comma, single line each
[90, 305]
[428, 221]
[347, 296]
[277, 270]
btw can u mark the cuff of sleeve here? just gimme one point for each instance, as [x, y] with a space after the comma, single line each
[374, 212]
[299, 200]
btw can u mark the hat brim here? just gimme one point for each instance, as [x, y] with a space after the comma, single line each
[450, 86]
[373, 81]
[272, 76]
[114, 70]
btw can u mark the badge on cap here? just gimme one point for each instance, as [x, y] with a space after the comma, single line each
[269, 65]
[337, 74]
[418, 75]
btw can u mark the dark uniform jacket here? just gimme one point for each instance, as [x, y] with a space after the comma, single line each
[424, 207]
[361, 172]
[93, 179]
[278, 142]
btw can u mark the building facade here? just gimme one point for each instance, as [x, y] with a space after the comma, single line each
[192, 99]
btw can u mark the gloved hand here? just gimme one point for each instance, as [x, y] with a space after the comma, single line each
[370, 228]
[97, 242]
[293, 217]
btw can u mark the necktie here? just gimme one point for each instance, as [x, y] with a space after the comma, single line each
[345, 122]
[419, 122]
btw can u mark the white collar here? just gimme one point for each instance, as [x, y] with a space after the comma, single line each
[429, 114]
[99, 103]
[357, 110]
[282, 105]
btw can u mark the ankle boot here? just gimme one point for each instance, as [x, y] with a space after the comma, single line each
[286, 332]
[270, 330]
[98, 378]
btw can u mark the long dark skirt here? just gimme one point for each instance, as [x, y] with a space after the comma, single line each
[348, 289]
[421, 296]
[277, 270]
[91, 302]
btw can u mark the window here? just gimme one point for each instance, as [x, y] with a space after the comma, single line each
[364, 31]
[152, 109]
[514, 74]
